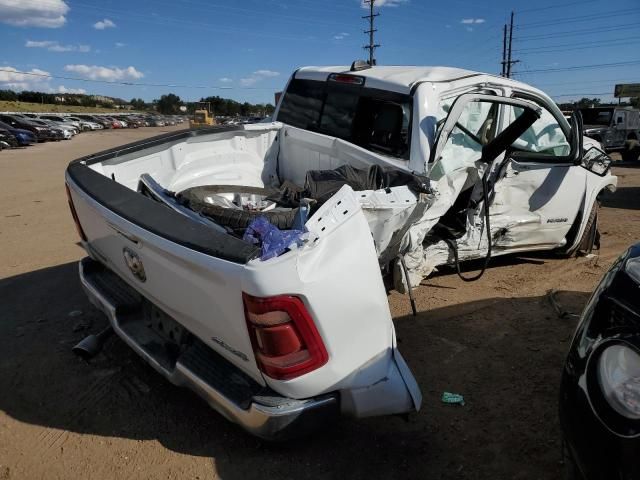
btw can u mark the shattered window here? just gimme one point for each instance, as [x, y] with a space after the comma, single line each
[475, 127]
[543, 137]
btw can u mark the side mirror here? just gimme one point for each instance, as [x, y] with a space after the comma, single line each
[596, 161]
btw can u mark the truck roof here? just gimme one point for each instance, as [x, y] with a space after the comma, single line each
[403, 78]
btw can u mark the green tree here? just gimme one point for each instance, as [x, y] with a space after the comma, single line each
[138, 103]
[587, 102]
[9, 95]
[169, 104]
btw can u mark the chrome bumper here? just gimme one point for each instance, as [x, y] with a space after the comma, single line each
[284, 418]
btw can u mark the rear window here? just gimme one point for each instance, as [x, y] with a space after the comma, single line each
[377, 120]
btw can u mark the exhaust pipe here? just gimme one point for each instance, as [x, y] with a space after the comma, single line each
[91, 345]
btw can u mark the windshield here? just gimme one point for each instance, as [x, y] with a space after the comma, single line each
[593, 116]
[199, 117]
[377, 120]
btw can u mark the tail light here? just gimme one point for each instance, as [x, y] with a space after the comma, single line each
[74, 214]
[284, 338]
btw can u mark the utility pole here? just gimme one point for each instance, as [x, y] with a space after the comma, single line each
[510, 62]
[372, 46]
[504, 52]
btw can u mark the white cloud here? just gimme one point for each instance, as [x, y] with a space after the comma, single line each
[110, 74]
[54, 46]
[13, 79]
[102, 24]
[266, 73]
[340, 36]
[63, 89]
[225, 80]
[120, 44]
[470, 21]
[34, 13]
[384, 3]
[256, 76]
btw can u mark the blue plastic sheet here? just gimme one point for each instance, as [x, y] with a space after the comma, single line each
[270, 238]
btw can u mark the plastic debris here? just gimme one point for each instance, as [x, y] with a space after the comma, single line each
[270, 238]
[453, 398]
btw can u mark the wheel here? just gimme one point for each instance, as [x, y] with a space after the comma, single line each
[591, 236]
[235, 218]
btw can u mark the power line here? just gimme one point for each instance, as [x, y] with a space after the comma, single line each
[581, 94]
[539, 9]
[592, 47]
[625, 26]
[585, 67]
[580, 44]
[135, 84]
[372, 45]
[574, 19]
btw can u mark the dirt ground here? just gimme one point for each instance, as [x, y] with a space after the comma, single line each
[497, 341]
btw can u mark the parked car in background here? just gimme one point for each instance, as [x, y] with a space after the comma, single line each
[61, 119]
[86, 125]
[97, 119]
[41, 133]
[116, 123]
[23, 137]
[7, 139]
[600, 389]
[65, 131]
[155, 122]
[611, 126]
[128, 122]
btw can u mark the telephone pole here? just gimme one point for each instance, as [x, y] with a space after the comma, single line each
[507, 43]
[372, 46]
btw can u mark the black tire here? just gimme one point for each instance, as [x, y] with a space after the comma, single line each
[591, 236]
[235, 219]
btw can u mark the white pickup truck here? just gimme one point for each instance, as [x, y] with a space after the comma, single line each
[367, 172]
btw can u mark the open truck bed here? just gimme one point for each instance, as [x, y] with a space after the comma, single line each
[200, 285]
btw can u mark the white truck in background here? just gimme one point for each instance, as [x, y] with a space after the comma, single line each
[383, 171]
[612, 127]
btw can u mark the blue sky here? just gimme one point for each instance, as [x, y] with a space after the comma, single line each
[250, 47]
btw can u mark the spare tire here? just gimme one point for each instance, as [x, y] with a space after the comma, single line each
[237, 219]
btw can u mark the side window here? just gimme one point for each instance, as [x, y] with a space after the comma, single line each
[544, 137]
[475, 127]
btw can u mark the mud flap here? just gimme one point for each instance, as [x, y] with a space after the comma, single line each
[396, 393]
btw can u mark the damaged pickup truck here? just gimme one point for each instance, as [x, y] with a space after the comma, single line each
[247, 262]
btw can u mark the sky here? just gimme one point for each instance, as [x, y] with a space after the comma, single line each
[247, 49]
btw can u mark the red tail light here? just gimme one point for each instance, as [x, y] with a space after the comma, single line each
[284, 338]
[75, 215]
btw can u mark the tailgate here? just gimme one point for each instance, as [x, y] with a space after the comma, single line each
[192, 273]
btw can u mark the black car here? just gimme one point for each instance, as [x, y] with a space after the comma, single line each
[41, 133]
[600, 389]
[7, 139]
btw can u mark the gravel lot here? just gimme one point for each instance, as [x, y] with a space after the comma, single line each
[497, 341]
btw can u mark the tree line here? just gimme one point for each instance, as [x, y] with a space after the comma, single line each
[171, 103]
[167, 104]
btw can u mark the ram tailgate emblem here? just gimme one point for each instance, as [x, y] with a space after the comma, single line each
[134, 264]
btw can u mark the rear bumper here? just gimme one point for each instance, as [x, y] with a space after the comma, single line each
[265, 415]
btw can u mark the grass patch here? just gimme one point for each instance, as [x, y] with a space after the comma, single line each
[6, 106]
